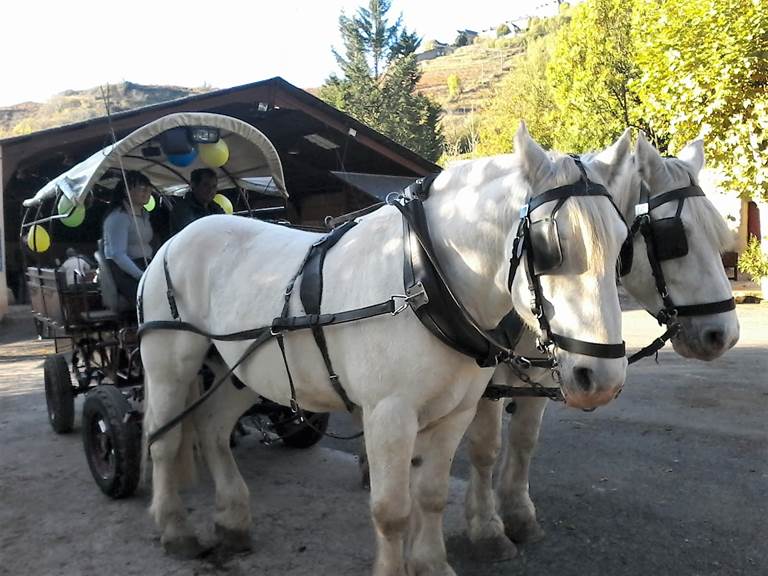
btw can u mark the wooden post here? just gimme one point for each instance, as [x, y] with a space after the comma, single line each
[3, 260]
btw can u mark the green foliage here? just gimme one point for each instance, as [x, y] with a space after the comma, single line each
[378, 80]
[502, 30]
[703, 72]
[590, 72]
[523, 95]
[753, 260]
[454, 86]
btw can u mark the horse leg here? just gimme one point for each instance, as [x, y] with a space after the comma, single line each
[486, 530]
[214, 421]
[169, 383]
[516, 507]
[435, 449]
[390, 432]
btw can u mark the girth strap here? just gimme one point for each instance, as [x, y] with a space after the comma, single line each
[311, 297]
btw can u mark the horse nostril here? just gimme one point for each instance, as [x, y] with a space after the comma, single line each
[583, 378]
[714, 339]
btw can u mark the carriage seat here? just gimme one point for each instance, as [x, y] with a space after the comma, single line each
[110, 297]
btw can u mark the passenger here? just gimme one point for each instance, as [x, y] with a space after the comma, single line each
[76, 269]
[197, 202]
[127, 234]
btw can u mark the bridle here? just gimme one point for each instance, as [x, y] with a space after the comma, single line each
[536, 240]
[665, 239]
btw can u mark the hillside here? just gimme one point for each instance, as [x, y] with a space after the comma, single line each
[479, 68]
[77, 105]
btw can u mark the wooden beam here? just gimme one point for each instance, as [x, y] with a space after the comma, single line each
[3, 259]
[286, 100]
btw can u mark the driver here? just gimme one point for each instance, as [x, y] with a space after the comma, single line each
[198, 202]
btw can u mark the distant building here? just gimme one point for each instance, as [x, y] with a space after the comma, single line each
[470, 35]
[438, 49]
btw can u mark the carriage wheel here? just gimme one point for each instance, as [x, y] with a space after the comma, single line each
[299, 434]
[112, 441]
[59, 394]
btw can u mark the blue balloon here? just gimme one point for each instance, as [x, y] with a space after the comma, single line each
[182, 160]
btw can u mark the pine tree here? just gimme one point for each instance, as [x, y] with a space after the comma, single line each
[378, 80]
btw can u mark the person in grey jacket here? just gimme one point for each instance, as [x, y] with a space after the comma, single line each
[127, 233]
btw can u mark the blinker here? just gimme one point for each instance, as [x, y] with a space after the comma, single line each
[669, 238]
[545, 241]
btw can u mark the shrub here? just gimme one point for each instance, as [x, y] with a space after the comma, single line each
[454, 86]
[753, 261]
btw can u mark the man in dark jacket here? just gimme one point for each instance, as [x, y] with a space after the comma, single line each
[198, 202]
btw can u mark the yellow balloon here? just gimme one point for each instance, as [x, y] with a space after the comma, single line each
[38, 239]
[213, 155]
[224, 202]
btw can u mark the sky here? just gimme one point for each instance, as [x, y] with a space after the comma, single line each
[49, 46]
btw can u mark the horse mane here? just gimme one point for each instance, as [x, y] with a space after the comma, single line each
[705, 215]
[587, 217]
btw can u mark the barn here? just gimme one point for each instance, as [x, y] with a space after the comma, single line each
[332, 163]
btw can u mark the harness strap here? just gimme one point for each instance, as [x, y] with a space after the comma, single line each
[708, 308]
[314, 320]
[311, 297]
[169, 293]
[589, 348]
[656, 345]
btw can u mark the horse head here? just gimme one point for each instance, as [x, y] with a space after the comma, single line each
[677, 273]
[575, 246]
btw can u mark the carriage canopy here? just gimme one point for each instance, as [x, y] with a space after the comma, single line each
[252, 164]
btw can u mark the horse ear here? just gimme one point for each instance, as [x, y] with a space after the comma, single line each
[649, 160]
[693, 155]
[616, 157]
[533, 156]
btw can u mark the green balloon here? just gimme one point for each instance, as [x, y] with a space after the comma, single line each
[75, 218]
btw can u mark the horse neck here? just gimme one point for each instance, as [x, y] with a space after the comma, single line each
[470, 230]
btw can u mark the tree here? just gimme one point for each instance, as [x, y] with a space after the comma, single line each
[590, 72]
[378, 80]
[461, 40]
[703, 72]
[502, 30]
[454, 86]
[523, 95]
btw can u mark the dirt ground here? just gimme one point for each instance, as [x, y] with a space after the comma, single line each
[671, 479]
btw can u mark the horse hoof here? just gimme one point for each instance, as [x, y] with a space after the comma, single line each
[233, 541]
[524, 532]
[186, 547]
[493, 550]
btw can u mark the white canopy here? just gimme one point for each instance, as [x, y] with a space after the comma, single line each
[252, 158]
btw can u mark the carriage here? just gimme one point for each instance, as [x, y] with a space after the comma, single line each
[94, 329]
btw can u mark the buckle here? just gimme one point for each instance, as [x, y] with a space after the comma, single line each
[523, 211]
[641, 209]
[415, 296]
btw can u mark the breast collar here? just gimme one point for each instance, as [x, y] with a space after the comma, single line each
[442, 312]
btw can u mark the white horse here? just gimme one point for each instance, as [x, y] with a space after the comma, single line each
[694, 279]
[417, 396]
